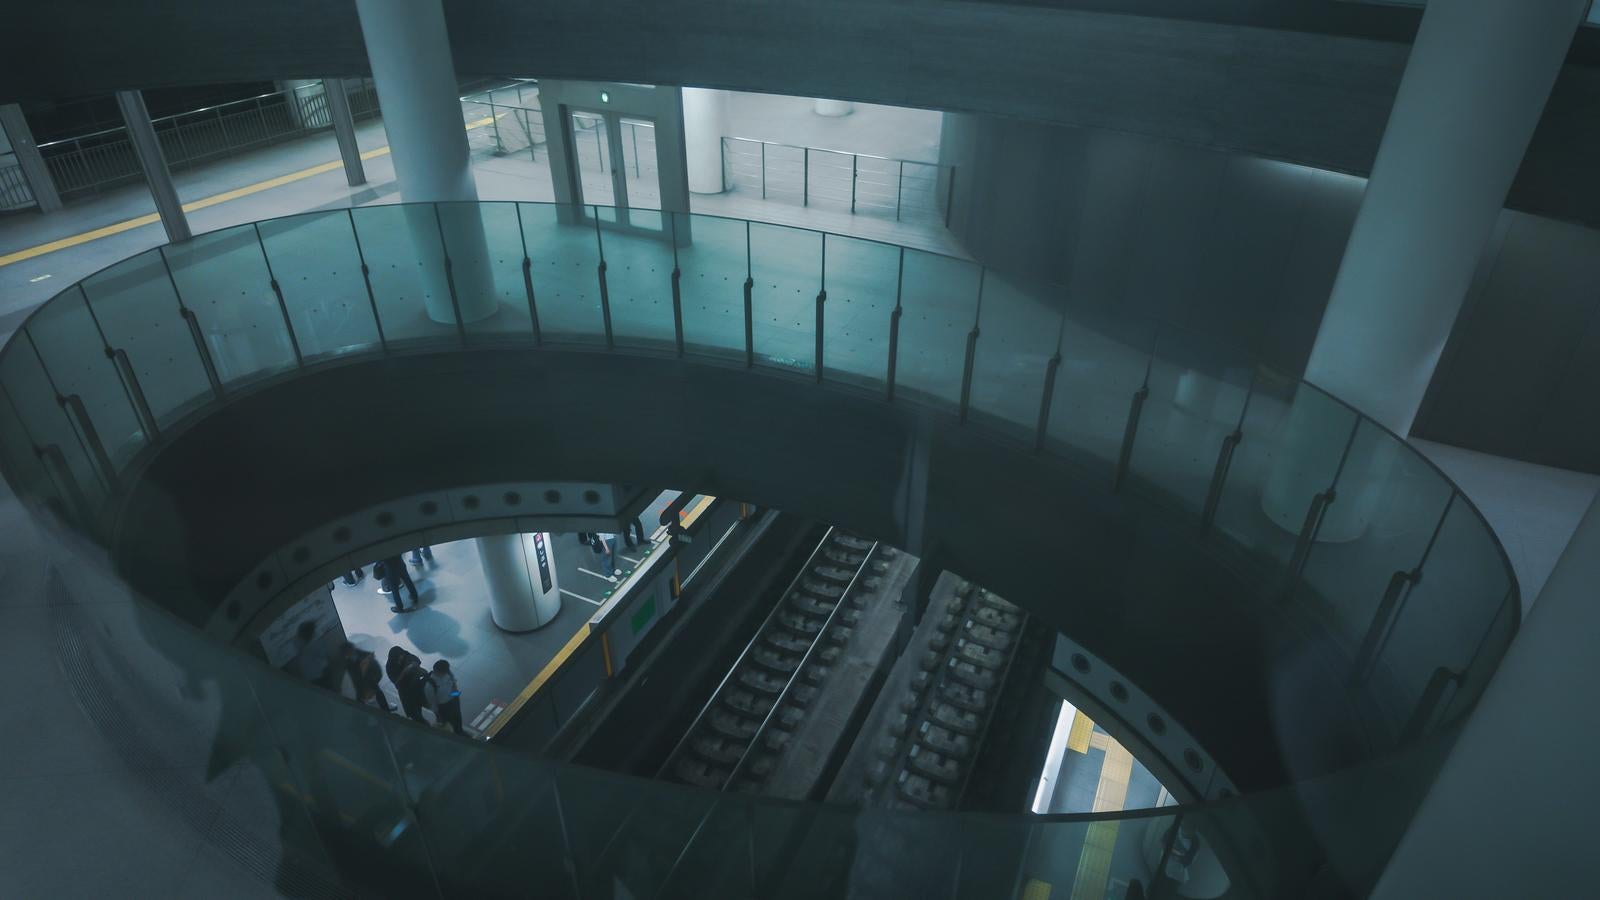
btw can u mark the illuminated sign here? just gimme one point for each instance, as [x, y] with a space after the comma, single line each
[543, 558]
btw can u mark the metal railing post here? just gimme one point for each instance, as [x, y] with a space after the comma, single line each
[1044, 401]
[972, 350]
[55, 464]
[1428, 704]
[894, 327]
[1219, 472]
[749, 311]
[195, 332]
[899, 190]
[366, 278]
[763, 170]
[134, 392]
[527, 280]
[450, 276]
[949, 196]
[78, 422]
[72, 405]
[1392, 604]
[855, 161]
[677, 291]
[722, 161]
[822, 298]
[1314, 516]
[605, 295]
[288, 326]
[1130, 430]
[805, 176]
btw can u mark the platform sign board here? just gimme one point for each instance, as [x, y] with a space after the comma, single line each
[542, 557]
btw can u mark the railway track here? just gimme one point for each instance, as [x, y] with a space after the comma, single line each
[926, 758]
[741, 733]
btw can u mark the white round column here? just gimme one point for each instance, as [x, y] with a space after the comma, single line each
[409, 51]
[705, 121]
[1474, 86]
[520, 570]
[833, 109]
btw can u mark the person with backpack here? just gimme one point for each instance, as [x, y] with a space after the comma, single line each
[444, 697]
[393, 574]
[405, 671]
[366, 675]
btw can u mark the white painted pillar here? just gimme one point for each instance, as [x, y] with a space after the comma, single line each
[1474, 86]
[1473, 89]
[1510, 813]
[409, 51]
[520, 570]
[705, 121]
[833, 109]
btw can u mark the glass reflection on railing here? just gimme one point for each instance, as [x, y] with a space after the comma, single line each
[1333, 513]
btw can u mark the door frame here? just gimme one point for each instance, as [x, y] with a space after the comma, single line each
[660, 104]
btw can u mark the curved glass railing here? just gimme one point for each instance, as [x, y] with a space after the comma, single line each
[1319, 506]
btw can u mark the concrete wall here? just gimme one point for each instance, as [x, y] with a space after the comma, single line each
[1521, 372]
[1243, 251]
[1233, 248]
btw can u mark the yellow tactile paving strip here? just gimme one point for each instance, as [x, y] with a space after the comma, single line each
[152, 218]
[1082, 731]
[1100, 840]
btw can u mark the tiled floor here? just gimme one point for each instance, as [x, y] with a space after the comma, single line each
[453, 622]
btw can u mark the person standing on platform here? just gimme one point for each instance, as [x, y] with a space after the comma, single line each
[421, 554]
[633, 533]
[606, 546]
[444, 697]
[394, 576]
[405, 671]
[366, 675]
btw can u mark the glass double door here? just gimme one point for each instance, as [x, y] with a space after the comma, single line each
[615, 157]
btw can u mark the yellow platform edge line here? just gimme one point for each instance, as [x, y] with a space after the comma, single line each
[545, 674]
[152, 218]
